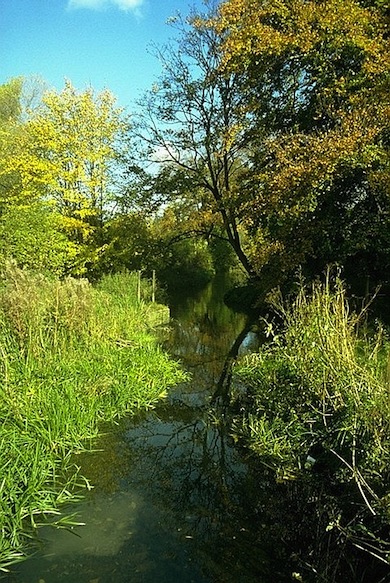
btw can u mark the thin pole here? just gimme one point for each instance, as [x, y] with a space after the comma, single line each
[139, 286]
[153, 286]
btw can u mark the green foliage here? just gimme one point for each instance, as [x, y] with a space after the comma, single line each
[71, 356]
[76, 137]
[222, 254]
[319, 400]
[185, 264]
[314, 78]
[31, 236]
[10, 136]
[127, 243]
[10, 107]
[61, 152]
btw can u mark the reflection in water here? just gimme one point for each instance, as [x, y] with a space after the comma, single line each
[109, 521]
[172, 501]
[207, 336]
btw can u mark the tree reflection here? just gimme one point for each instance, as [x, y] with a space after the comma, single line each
[187, 450]
[188, 468]
[268, 524]
[206, 336]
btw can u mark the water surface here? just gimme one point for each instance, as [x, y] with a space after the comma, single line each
[173, 499]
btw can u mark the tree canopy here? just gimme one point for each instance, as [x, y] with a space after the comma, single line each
[269, 127]
[60, 155]
[268, 131]
[315, 76]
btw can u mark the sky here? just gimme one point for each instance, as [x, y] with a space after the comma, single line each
[98, 43]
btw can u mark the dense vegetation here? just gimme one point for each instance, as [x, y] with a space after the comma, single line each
[71, 357]
[264, 149]
[266, 137]
[317, 410]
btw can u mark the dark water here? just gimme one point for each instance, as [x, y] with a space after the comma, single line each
[173, 501]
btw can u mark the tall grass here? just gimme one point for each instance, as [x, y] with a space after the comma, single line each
[319, 400]
[70, 356]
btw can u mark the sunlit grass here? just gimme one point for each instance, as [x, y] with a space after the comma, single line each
[71, 356]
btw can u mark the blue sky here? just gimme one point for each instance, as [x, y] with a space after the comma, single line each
[102, 43]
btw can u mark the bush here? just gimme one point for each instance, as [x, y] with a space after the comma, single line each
[31, 235]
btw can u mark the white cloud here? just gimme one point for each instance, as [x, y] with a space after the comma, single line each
[128, 4]
[125, 5]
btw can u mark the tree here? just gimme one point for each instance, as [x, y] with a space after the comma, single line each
[76, 136]
[10, 133]
[29, 231]
[10, 94]
[19, 98]
[192, 122]
[59, 155]
[315, 78]
[127, 244]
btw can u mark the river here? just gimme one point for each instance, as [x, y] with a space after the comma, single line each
[173, 499]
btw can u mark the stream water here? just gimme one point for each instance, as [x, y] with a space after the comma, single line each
[173, 500]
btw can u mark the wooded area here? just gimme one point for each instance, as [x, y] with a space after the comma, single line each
[267, 133]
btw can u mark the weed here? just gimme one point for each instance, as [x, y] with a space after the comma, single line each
[318, 401]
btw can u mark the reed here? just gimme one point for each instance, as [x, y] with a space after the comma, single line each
[71, 356]
[318, 401]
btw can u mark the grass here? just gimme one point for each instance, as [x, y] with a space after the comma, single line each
[318, 403]
[71, 356]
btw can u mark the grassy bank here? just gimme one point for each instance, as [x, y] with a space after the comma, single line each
[317, 409]
[70, 356]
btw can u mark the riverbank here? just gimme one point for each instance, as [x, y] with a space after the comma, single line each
[176, 497]
[172, 498]
[71, 357]
[316, 414]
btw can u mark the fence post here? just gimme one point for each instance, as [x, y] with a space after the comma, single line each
[153, 286]
[139, 286]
